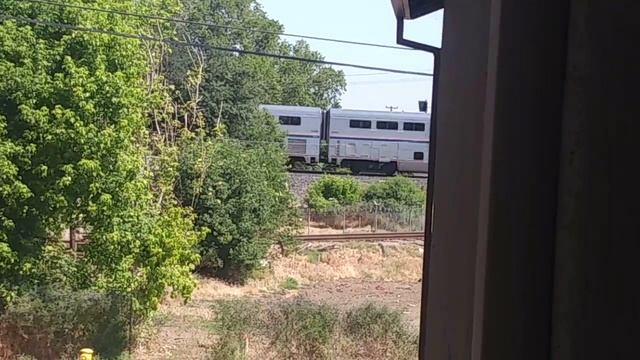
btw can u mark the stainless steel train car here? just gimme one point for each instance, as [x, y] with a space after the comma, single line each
[378, 140]
[303, 127]
[365, 141]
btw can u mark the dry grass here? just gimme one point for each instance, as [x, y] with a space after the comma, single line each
[366, 261]
[359, 261]
[319, 228]
[182, 330]
[306, 330]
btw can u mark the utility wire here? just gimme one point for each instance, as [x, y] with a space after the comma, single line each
[228, 27]
[369, 74]
[209, 47]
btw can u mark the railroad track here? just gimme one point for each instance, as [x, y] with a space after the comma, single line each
[366, 174]
[407, 236]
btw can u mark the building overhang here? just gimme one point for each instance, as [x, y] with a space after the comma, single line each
[412, 9]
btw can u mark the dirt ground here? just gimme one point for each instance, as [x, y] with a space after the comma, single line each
[343, 277]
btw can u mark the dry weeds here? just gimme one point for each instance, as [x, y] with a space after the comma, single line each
[181, 330]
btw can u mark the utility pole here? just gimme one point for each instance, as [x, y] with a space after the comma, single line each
[391, 108]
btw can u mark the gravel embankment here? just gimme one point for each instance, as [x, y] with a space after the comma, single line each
[300, 182]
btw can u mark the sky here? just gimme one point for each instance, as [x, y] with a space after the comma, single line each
[366, 21]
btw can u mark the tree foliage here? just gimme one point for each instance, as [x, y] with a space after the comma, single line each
[396, 193]
[239, 191]
[234, 85]
[106, 134]
[331, 191]
[73, 145]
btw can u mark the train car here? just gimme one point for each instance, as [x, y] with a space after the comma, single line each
[303, 126]
[378, 141]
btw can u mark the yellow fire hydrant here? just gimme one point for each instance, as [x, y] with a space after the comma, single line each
[86, 354]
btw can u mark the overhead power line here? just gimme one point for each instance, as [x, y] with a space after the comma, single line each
[209, 47]
[228, 27]
[370, 74]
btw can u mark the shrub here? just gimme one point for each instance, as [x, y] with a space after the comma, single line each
[397, 192]
[331, 191]
[240, 195]
[380, 331]
[290, 284]
[313, 256]
[236, 317]
[235, 321]
[303, 330]
[53, 323]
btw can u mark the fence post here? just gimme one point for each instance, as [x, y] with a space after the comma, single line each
[410, 219]
[344, 220]
[375, 217]
[308, 221]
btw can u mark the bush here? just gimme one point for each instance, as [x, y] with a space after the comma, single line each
[331, 191]
[237, 317]
[313, 256]
[395, 193]
[290, 284]
[235, 321]
[303, 330]
[54, 323]
[239, 192]
[380, 331]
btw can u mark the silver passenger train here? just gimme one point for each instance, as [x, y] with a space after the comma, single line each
[365, 141]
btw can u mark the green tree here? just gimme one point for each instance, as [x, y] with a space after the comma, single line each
[396, 193]
[239, 191]
[74, 151]
[234, 85]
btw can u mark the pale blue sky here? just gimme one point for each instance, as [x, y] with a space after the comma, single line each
[366, 21]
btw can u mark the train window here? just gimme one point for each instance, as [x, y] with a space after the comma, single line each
[290, 120]
[413, 126]
[360, 124]
[418, 156]
[386, 125]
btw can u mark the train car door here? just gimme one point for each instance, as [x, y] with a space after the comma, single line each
[389, 152]
[365, 151]
[374, 153]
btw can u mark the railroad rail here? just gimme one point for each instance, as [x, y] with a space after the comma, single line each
[362, 237]
[364, 173]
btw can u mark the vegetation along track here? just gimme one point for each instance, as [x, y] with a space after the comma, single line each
[405, 236]
[362, 174]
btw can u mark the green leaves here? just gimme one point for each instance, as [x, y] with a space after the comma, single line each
[239, 192]
[334, 191]
[233, 85]
[76, 151]
[396, 193]
[73, 143]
